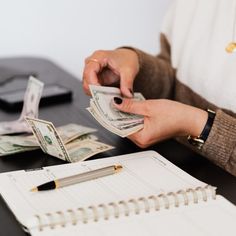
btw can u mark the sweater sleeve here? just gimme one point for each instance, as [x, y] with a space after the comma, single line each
[220, 146]
[156, 75]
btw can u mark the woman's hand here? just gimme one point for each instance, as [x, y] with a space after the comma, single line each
[110, 67]
[163, 119]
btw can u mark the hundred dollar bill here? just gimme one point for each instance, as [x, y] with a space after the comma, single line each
[102, 109]
[30, 108]
[48, 138]
[80, 148]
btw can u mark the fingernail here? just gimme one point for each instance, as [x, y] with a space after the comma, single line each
[117, 100]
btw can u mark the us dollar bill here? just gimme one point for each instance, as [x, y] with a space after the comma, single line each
[13, 144]
[30, 108]
[102, 109]
[48, 138]
[102, 98]
[70, 132]
[83, 145]
[82, 150]
[9, 147]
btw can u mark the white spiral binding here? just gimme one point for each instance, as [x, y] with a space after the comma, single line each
[62, 216]
[146, 204]
[125, 208]
[51, 221]
[40, 225]
[156, 202]
[175, 197]
[72, 216]
[105, 210]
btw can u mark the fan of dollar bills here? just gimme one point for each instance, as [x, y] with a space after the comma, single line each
[71, 142]
[102, 109]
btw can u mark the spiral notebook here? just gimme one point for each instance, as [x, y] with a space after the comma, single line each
[150, 196]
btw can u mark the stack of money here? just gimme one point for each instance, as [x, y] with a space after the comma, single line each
[102, 109]
[72, 145]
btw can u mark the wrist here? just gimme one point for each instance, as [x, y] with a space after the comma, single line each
[198, 121]
[199, 140]
[193, 120]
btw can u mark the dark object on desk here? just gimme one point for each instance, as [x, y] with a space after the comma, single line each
[52, 94]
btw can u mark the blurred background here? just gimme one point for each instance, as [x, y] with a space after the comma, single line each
[67, 31]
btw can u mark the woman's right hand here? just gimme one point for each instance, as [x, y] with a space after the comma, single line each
[109, 67]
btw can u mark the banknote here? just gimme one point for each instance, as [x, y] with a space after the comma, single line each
[83, 145]
[102, 109]
[7, 147]
[87, 137]
[102, 99]
[21, 140]
[30, 108]
[12, 144]
[70, 132]
[48, 138]
[81, 150]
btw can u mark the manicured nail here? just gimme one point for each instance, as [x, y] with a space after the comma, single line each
[117, 100]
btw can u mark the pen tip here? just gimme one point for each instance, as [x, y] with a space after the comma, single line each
[34, 189]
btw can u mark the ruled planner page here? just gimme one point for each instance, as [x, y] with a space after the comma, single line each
[143, 174]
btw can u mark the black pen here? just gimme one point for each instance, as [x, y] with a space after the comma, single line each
[74, 179]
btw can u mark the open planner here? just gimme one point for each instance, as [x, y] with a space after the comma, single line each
[150, 196]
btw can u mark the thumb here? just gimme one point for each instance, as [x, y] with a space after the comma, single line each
[130, 106]
[126, 84]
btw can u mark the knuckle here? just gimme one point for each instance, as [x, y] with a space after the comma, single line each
[127, 105]
[99, 53]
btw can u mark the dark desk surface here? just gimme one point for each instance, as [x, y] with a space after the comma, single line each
[75, 112]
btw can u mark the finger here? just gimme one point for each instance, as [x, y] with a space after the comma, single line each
[86, 88]
[126, 84]
[90, 76]
[131, 106]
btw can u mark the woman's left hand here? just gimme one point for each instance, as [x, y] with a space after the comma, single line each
[163, 119]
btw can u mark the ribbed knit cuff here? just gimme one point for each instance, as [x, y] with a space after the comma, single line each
[220, 144]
